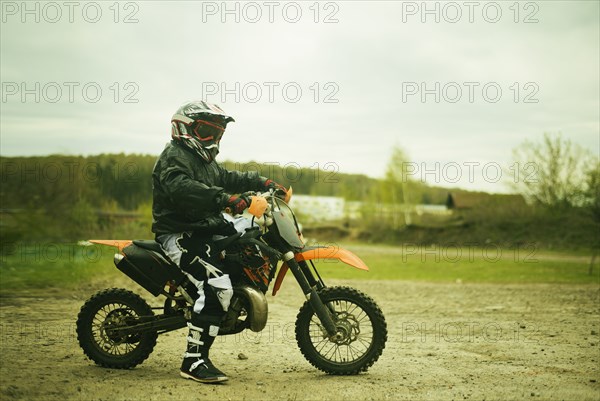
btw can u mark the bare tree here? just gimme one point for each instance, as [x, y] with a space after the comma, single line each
[552, 172]
[397, 186]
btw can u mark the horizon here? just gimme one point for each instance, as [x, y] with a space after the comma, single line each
[291, 164]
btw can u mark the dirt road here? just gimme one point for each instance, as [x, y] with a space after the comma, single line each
[446, 341]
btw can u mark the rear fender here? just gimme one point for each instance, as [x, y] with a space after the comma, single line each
[117, 243]
[321, 252]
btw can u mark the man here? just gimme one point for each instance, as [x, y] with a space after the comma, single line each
[190, 191]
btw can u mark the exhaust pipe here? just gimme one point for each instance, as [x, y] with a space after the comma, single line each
[259, 308]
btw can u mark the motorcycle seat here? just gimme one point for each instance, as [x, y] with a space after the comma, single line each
[149, 244]
[152, 245]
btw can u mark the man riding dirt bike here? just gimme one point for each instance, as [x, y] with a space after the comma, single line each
[191, 190]
[215, 266]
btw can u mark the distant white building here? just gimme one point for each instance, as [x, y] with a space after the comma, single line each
[319, 208]
[440, 210]
[332, 208]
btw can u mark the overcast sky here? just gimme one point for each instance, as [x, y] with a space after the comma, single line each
[361, 75]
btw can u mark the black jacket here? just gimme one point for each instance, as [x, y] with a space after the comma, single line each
[189, 193]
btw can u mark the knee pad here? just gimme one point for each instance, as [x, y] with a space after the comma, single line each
[200, 301]
[223, 289]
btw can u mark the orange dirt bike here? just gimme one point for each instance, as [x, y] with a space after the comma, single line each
[338, 329]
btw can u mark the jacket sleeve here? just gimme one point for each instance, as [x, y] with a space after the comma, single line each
[238, 182]
[194, 198]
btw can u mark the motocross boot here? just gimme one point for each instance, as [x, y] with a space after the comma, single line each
[196, 364]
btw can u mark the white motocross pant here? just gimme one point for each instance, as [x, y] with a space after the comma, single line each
[195, 255]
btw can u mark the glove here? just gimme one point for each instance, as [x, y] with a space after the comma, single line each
[237, 204]
[278, 189]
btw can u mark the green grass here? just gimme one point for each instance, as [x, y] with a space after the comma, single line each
[70, 265]
[54, 265]
[467, 265]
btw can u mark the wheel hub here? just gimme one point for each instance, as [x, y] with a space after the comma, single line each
[115, 320]
[347, 329]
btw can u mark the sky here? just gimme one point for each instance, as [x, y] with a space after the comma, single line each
[335, 85]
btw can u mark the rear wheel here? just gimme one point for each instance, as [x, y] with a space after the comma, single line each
[98, 323]
[360, 338]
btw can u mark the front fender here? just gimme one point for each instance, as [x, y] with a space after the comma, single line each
[320, 252]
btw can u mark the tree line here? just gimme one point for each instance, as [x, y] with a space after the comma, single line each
[66, 198]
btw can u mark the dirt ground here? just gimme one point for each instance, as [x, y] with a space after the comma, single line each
[446, 342]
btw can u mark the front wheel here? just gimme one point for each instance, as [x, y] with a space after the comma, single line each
[360, 338]
[98, 326]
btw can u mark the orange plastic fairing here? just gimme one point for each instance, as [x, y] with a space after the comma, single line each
[118, 243]
[280, 276]
[288, 195]
[258, 205]
[326, 252]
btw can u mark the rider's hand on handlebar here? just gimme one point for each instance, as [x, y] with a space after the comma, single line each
[277, 189]
[236, 204]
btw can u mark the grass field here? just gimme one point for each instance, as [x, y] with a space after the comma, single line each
[68, 265]
[54, 265]
[444, 264]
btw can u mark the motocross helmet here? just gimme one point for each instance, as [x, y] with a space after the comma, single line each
[199, 126]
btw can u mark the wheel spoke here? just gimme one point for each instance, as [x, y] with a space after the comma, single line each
[336, 352]
[325, 343]
[363, 341]
[353, 349]
[331, 352]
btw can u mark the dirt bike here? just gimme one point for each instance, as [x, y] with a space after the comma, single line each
[339, 330]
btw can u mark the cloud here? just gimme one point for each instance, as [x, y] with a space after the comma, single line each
[364, 61]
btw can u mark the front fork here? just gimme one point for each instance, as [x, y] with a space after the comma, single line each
[310, 292]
